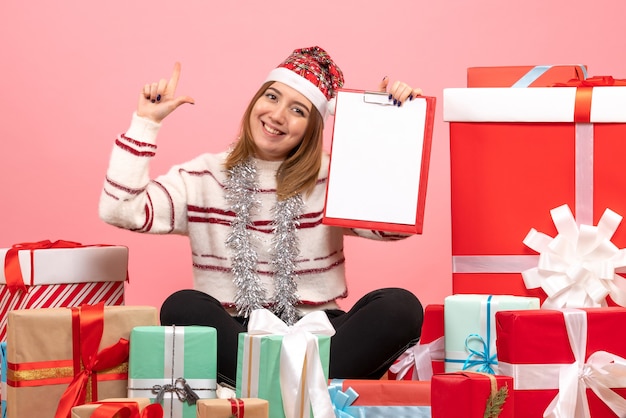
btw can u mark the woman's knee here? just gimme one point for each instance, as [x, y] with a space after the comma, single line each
[186, 307]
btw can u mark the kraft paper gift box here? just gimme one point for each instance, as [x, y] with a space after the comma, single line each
[369, 131]
[286, 365]
[380, 398]
[68, 356]
[524, 75]
[470, 329]
[233, 408]
[111, 408]
[426, 357]
[582, 349]
[48, 274]
[517, 153]
[472, 395]
[174, 366]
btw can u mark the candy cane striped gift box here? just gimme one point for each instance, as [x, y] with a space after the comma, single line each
[61, 274]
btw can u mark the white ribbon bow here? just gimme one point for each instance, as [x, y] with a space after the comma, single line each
[577, 269]
[601, 372]
[422, 356]
[303, 385]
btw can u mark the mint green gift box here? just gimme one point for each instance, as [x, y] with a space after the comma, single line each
[470, 329]
[170, 360]
[258, 368]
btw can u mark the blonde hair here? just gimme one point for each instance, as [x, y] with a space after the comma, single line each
[299, 172]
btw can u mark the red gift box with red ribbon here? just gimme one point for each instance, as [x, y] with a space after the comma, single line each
[52, 274]
[571, 360]
[524, 75]
[517, 153]
[466, 394]
[426, 357]
[58, 358]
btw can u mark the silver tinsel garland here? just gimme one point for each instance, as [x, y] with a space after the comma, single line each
[241, 188]
[284, 252]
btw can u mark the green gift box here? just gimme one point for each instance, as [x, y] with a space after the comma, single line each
[259, 368]
[173, 365]
[470, 331]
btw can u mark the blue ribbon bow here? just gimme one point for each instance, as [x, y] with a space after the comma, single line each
[483, 358]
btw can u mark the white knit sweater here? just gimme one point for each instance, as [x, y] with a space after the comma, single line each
[189, 200]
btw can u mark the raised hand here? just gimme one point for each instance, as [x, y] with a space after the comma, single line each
[400, 92]
[158, 99]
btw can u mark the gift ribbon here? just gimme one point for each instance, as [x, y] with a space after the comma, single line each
[12, 269]
[87, 330]
[534, 73]
[173, 383]
[484, 358]
[180, 388]
[302, 382]
[343, 405]
[578, 267]
[495, 409]
[237, 407]
[121, 409]
[341, 399]
[420, 356]
[601, 372]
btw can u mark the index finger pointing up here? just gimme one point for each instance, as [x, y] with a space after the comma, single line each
[174, 78]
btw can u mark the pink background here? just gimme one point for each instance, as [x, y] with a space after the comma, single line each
[71, 72]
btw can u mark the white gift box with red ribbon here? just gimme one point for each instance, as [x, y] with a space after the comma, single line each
[60, 274]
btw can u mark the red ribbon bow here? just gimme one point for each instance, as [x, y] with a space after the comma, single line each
[87, 330]
[127, 410]
[237, 407]
[584, 90]
[12, 269]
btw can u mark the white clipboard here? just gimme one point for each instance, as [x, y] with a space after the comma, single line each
[379, 162]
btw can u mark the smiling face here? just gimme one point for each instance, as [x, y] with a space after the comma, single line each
[278, 121]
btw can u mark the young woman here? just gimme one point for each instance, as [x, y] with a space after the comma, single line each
[253, 215]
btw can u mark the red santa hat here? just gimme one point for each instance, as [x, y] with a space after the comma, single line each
[313, 73]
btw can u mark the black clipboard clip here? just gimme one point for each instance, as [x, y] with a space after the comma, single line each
[377, 97]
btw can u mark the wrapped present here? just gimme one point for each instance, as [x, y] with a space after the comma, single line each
[286, 365]
[3, 379]
[233, 408]
[524, 75]
[470, 330]
[118, 408]
[55, 274]
[64, 357]
[380, 398]
[426, 357]
[577, 268]
[174, 366]
[517, 153]
[565, 363]
[394, 199]
[466, 394]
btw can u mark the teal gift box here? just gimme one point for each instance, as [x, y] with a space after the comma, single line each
[470, 331]
[259, 368]
[173, 365]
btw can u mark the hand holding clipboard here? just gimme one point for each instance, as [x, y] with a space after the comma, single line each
[380, 154]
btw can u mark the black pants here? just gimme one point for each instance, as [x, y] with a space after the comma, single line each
[368, 338]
